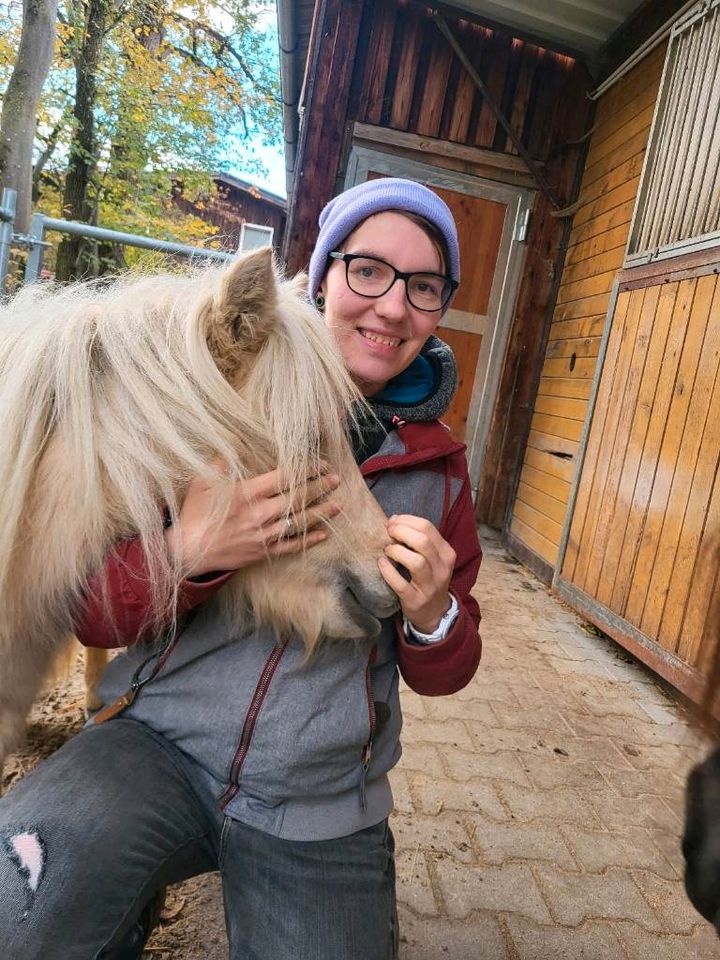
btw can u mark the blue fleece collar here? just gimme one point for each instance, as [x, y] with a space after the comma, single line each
[413, 385]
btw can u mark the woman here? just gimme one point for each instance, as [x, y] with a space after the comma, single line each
[268, 768]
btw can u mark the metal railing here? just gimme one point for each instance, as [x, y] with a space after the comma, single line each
[35, 243]
[7, 221]
[40, 225]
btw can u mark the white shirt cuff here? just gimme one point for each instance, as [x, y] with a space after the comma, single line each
[443, 628]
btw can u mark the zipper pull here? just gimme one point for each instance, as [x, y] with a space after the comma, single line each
[116, 707]
[366, 757]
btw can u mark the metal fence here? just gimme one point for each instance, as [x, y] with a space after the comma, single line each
[35, 243]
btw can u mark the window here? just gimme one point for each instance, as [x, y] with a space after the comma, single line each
[678, 203]
[254, 235]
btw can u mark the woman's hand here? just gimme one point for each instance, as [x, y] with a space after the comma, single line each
[429, 560]
[253, 528]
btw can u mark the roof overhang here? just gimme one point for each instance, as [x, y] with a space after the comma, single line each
[582, 28]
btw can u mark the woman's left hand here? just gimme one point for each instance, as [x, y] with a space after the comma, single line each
[430, 561]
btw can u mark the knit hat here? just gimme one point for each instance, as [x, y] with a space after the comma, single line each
[347, 211]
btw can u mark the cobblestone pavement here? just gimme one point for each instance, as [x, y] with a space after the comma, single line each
[539, 810]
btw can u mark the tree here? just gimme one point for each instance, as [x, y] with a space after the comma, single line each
[76, 256]
[142, 93]
[20, 103]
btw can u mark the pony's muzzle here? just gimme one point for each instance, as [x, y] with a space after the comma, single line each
[367, 601]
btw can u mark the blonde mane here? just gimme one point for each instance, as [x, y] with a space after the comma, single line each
[131, 388]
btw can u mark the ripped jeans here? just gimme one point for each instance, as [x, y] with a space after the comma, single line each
[91, 835]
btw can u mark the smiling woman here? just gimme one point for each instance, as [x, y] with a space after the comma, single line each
[243, 753]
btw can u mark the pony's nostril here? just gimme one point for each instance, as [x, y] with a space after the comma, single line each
[403, 571]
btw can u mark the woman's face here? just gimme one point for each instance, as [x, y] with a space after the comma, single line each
[380, 337]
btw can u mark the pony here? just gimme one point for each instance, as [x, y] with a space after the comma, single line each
[114, 396]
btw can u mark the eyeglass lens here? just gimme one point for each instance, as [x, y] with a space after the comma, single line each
[373, 278]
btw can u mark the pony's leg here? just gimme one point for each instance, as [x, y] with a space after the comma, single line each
[96, 659]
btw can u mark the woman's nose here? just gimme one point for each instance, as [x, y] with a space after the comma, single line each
[393, 304]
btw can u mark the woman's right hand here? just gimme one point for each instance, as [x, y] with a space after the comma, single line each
[253, 528]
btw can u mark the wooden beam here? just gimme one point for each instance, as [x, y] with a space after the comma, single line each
[503, 167]
[534, 169]
[687, 265]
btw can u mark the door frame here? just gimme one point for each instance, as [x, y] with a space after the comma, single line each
[506, 280]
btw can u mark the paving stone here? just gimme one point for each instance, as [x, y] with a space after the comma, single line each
[670, 845]
[618, 813]
[665, 713]
[499, 842]
[401, 791]
[702, 944]
[668, 899]
[444, 834]
[414, 888]
[547, 718]
[481, 690]
[574, 898]
[557, 770]
[596, 750]
[636, 783]
[582, 668]
[508, 888]
[561, 805]
[423, 757]
[617, 705]
[413, 705]
[580, 853]
[595, 850]
[670, 757]
[501, 765]
[433, 796]
[490, 740]
[451, 733]
[594, 940]
[479, 938]
[449, 708]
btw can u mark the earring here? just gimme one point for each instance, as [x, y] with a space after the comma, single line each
[320, 301]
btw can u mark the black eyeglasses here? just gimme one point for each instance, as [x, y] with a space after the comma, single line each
[373, 277]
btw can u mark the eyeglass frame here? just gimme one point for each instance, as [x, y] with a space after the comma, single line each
[347, 259]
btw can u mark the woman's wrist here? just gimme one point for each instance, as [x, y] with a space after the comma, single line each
[436, 627]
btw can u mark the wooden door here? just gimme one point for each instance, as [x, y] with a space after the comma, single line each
[468, 322]
[642, 552]
[477, 324]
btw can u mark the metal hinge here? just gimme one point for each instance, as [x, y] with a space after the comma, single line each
[523, 225]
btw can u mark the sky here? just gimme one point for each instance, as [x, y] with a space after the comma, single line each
[272, 158]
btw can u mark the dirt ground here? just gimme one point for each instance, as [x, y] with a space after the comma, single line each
[192, 925]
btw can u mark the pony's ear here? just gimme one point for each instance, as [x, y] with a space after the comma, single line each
[248, 294]
[243, 311]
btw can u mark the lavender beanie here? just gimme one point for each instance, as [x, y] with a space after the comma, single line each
[346, 211]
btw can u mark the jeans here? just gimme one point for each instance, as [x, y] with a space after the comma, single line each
[89, 837]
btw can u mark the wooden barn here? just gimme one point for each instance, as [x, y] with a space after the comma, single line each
[245, 215]
[579, 148]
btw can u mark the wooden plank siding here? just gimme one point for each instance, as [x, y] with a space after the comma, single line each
[386, 63]
[645, 534]
[406, 77]
[594, 256]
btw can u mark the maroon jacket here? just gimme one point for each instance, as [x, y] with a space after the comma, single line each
[432, 670]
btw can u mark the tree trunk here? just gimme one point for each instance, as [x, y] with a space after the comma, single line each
[20, 104]
[77, 257]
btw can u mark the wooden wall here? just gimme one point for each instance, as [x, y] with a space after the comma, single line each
[645, 536]
[595, 254]
[230, 209]
[386, 64]
[405, 76]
